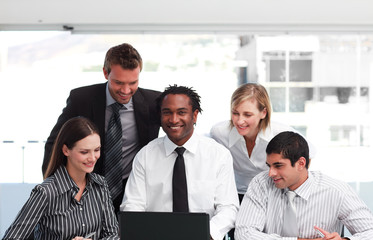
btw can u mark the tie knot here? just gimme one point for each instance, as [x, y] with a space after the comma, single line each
[291, 195]
[116, 107]
[180, 151]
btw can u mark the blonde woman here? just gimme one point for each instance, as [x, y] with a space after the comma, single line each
[248, 132]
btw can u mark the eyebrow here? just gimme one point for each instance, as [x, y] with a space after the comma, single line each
[163, 109]
[275, 164]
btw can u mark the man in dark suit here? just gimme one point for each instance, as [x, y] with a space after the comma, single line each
[138, 116]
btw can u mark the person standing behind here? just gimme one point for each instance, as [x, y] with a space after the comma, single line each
[248, 132]
[182, 171]
[72, 202]
[290, 202]
[125, 114]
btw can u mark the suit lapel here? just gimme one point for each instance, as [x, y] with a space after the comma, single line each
[141, 116]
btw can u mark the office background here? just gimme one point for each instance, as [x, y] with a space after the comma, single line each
[315, 59]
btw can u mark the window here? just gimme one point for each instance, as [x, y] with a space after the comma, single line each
[38, 70]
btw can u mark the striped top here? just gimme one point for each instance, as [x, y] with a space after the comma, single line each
[321, 201]
[54, 213]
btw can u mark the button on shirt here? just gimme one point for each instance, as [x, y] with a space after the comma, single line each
[321, 201]
[210, 181]
[245, 167]
[56, 214]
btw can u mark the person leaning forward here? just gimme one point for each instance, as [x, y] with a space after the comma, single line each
[290, 202]
[138, 115]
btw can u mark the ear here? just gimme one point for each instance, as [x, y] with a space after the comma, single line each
[263, 113]
[301, 163]
[195, 114]
[65, 150]
[105, 73]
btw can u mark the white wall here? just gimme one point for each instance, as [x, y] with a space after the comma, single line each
[190, 15]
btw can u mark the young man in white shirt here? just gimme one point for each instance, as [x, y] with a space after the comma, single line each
[208, 167]
[321, 206]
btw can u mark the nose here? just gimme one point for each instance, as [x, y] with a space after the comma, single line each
[125, 89]
[92, 156]
[240, 120]
[174, 118]
[272, 172]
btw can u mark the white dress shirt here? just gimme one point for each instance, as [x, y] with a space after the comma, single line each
[321, 201]
[210, 181]
[245, 167]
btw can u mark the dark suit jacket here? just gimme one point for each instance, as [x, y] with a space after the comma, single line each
[90, 102]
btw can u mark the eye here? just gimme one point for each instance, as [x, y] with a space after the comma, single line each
[166, 113]
[133, 83]
[182, 112]
[83, 152]
[235, 113]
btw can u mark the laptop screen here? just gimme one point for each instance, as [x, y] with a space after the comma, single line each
[164, 226]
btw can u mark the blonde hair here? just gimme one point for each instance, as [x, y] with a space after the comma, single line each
[259, 93]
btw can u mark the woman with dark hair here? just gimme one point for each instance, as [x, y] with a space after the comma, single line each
[72, 202]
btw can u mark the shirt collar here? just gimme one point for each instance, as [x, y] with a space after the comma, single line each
[234, 136]
[191, 145]
[304, 190]
[110, 100]
[64, 182]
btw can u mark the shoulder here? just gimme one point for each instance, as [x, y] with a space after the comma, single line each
[148, 93]
[47, 187]
[212, 147]
[262, 178]
[94, 87]
[98, 179]
[261, 184]
[277, 127]
[221, 129]
[91, 90]
[331, 184]
[153, 145]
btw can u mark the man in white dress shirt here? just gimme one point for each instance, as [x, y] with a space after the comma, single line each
[208, 167]
[322, 205]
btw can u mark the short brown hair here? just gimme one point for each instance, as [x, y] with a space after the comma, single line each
[124, 55]
[253, 91]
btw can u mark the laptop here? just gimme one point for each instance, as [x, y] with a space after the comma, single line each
[164, 226]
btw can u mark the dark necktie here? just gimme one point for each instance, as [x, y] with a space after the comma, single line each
[290, 226]
[179, 184]
[113, 152]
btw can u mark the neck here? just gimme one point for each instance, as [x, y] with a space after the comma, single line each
[250, 138]
[80, 178]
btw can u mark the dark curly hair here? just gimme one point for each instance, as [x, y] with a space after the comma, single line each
[188, 91]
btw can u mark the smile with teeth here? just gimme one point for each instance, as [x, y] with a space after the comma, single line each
[89, 164]
[276, 179]
[175, 127]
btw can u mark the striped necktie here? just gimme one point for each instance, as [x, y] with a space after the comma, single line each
[113, 152]
[290, 226]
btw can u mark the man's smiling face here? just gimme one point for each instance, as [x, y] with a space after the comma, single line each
[178, 118]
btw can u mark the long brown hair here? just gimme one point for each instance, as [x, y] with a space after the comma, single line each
[71, 132]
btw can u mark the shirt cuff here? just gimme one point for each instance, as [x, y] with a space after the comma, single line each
[215, 232]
